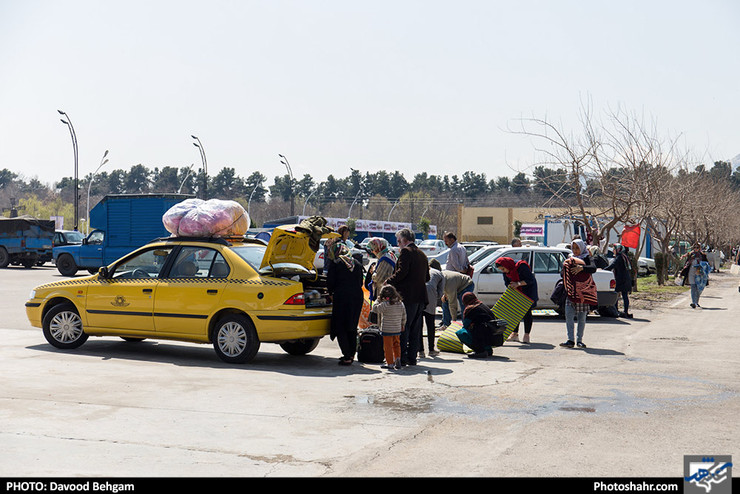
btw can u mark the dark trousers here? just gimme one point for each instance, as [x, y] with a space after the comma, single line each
[527, 320]
[411, 336]
[625, 301]
[429, 322]
[347, 341]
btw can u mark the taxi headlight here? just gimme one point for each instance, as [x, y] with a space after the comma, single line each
[32, 294]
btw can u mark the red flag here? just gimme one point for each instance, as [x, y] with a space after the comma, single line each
[631, 236]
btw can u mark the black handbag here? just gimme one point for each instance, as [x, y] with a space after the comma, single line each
[558, 293]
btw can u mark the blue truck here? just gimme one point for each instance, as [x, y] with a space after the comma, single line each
[25, 240]
[121, 223]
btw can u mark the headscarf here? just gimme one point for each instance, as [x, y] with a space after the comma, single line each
[339, 252]
[621, 251]
[382, 247]
[582, 247]
[511, 265]
[470, 301]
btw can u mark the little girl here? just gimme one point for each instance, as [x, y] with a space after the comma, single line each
[392, 319]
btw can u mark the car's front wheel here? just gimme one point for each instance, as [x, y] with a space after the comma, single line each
[62, 327]
[235, 339]
[66, 265]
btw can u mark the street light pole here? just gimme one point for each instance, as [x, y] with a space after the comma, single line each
[68, 123]
[190, 170]
[249, 202]
[307, 198]
[205, 166]
[290, 177]
[103, 161]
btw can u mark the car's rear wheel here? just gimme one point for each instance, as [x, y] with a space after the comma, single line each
[300, 347]
[235, 339]
[4, 257]
[66, 265]
[62, 327]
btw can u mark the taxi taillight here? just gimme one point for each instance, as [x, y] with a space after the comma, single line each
[297, 299]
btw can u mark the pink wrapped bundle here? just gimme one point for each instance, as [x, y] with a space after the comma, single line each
[210, 218]
[175, 214]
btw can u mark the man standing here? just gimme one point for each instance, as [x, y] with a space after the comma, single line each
[457, 258]
[410, 278]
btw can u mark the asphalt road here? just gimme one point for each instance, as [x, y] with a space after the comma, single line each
[645, 392]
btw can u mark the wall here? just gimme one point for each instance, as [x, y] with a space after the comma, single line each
[496, 223]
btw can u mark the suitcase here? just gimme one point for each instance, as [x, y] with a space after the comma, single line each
[370, 346]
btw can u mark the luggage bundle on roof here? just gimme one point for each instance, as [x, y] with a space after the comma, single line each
[211, 218]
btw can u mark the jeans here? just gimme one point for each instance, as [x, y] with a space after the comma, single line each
[695, 293]
[570, 315]
[446, 316]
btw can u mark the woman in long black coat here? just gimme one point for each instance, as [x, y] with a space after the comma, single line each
[344, 282]
[622, 276]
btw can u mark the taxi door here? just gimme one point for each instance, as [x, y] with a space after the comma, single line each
[190, 292]
[125, 299]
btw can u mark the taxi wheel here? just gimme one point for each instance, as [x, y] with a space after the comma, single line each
[62, 327]
[235, 339]
[300, 347]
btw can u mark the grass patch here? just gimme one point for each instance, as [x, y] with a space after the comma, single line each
[649, 292]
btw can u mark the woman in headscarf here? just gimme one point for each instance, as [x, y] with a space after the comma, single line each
[517, 274]
[475, 315]
[697, 274]
[622, 276]
[580, 291]
[383, 269]
[344, 281]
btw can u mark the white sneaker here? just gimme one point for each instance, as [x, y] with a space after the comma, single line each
[526, 338]
[514, 337]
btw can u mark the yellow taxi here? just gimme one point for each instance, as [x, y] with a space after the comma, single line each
[233, 293]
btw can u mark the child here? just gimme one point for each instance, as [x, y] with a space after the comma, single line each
[392, 314]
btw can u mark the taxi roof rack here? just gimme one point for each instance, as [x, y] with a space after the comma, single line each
[222, 240]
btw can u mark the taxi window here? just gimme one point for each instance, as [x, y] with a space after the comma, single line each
[199, 262]
[144, 265]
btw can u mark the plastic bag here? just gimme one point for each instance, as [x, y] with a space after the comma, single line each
[211, 218]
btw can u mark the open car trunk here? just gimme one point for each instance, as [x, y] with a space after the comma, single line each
[289, 255]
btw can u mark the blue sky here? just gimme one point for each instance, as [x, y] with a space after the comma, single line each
[415, 86]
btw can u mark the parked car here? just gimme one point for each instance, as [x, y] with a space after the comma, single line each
[645, 266]
[546, 264]
[67, 237]
[432, 247]
[234, 294]
[472, 247]
[319, 260]
[483, 253]
[441, 257]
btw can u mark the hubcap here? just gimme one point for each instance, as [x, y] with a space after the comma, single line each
[66, 327]
[232, 339]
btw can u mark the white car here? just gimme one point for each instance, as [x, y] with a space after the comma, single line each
[546, 264]
[645, 266]
[432, 247]
[318, 260]
[472, 247]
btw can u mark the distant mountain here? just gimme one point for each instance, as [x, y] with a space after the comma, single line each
[735, 162]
